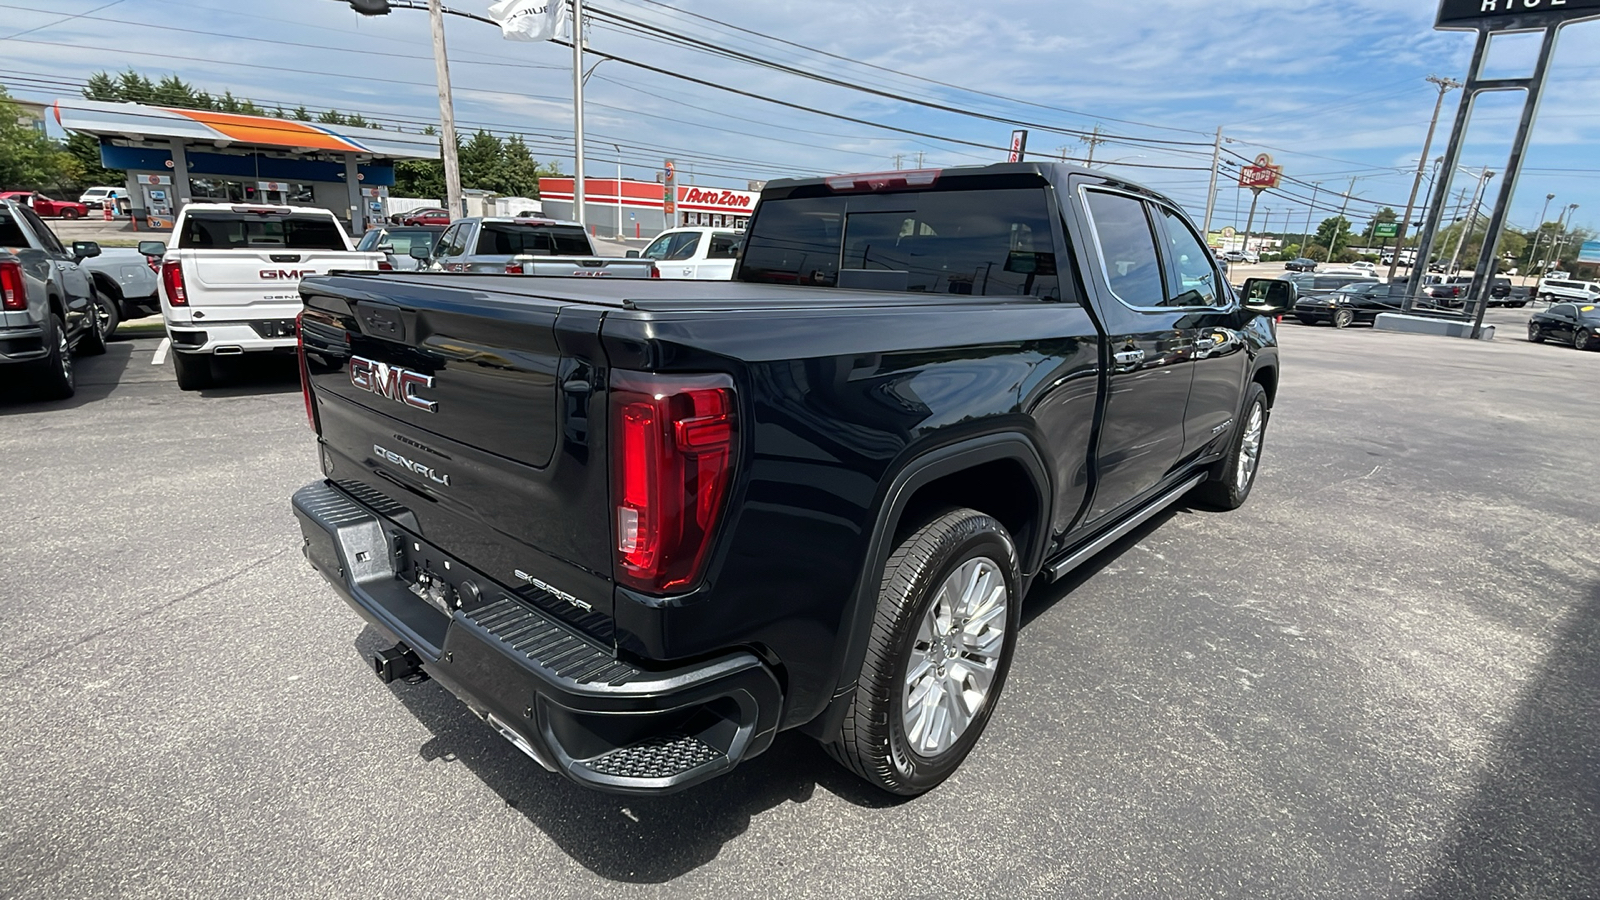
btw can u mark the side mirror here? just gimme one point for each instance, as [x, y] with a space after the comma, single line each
[1269, 296]
[420, 252]
[384, 248]
[632, 254]
[152, 248]
[85, 249]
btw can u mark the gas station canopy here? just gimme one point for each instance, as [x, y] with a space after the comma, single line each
[241, 158]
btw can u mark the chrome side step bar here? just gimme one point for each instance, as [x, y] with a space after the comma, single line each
[1117, 533]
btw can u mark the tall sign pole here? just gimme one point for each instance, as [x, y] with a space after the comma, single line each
[577, 111]
[1487, 18]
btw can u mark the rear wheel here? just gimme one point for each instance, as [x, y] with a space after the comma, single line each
[1534, 334]
[1230, 481]
[941, 644]
[53, 376]
[193, 370]
[103, 320]
[1343, 318]
[1583, 340]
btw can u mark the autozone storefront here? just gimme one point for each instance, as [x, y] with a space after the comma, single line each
[637, 208]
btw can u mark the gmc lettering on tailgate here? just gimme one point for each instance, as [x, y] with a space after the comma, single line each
[285, 274]
[391, 382]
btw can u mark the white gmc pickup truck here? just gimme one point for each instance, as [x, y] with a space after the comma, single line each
[230, 279]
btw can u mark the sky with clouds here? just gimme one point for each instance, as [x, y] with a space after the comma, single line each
[1334, 90]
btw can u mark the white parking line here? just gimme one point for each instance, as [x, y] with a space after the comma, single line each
[161, 352]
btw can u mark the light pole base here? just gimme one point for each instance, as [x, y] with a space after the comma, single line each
[1456, 328]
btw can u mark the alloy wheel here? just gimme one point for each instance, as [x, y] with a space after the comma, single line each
[955, 656]
[1250, 447]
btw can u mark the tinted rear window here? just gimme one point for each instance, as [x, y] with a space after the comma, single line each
[245, 231]
[986, 242]
[512, 238]
[10, 232]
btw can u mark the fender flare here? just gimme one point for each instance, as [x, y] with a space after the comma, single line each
[851, 646]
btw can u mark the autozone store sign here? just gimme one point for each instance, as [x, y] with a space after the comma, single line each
[717, 201]
[649, 195]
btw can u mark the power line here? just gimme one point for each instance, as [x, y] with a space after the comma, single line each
[82, 15]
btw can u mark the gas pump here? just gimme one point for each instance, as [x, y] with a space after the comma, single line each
[158, 200]
[272, 193]
[377, 200]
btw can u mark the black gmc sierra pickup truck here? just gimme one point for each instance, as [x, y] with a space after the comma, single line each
[640, 527]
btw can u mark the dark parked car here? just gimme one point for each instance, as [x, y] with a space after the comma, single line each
[641, 526]
[1351, 304]
[396, 241]
[1301, 264]
[1499, 291]
[1570, 323]
[1308, 284]
[49, 306]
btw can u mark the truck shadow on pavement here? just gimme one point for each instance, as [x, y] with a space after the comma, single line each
[643, 840]
[1532, 827]
[96, 377]
[650, 840]
[252, 374]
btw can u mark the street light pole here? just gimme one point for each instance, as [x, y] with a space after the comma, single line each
[1334, 238]
[1305, 236]
[1211, 193]
[1472, 219]
[1445, 85]
[577, 111]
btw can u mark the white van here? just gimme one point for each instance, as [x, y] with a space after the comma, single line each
[1553, 289]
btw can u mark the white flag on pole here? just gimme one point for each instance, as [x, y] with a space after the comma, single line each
[530, 20]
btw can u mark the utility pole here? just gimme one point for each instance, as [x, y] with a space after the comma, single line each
[577, 110]
[898, 157]
[447, 115]
[1566, 222]
[1334, 238]
[1305, 237]
[1445, 85]
[1538, 232]
[1093, 141]
[1211, 194]
[1472, 219]
[1266, 229]
[920, 155]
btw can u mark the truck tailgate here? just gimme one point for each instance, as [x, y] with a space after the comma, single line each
[243, 278]
[471, 410]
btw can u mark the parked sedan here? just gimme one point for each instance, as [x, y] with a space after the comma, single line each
[1301, 264]
[429, 216]
[1350, 304]
[396, 241]
[1569, 323]
[45, 207]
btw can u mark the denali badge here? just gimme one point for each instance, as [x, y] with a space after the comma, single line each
[423, 471]
[553, 591]
[392, 382]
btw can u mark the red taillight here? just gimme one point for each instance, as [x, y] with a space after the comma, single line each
[385, 266]
[172, 280]
[13, 292]
[877, 181]
[655, 271]
[514, 268]
[305, 370]
[672, 450]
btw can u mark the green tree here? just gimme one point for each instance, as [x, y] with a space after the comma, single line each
[301, 115]
[480, 159]
[419, 178]
[85, 148]
[1334, 232]
[29, 159]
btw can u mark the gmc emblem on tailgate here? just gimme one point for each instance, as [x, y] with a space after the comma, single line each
[393, 382]
[285, 274]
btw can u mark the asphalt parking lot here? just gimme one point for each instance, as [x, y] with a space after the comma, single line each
[1381, 678]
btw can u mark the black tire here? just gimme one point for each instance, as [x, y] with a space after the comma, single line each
[873, 740]
[1518, 305]
[1223, 489]
[1534, 334]
[103, 322]
[193, 370]
[69, 213]
[1343, 318]
[53, 377]
[1583, 340]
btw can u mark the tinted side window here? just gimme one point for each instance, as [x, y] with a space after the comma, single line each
[1563, 311]
[723, 246]
[685, 249]
[42, 231]
[450, 241]
[238, 231]
[1197, 277]
[10, 232]
[1127, 248]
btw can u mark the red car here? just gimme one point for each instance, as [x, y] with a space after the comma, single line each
[429, 216]
[45, 207]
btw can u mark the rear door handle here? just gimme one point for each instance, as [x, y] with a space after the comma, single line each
[1128, 360]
